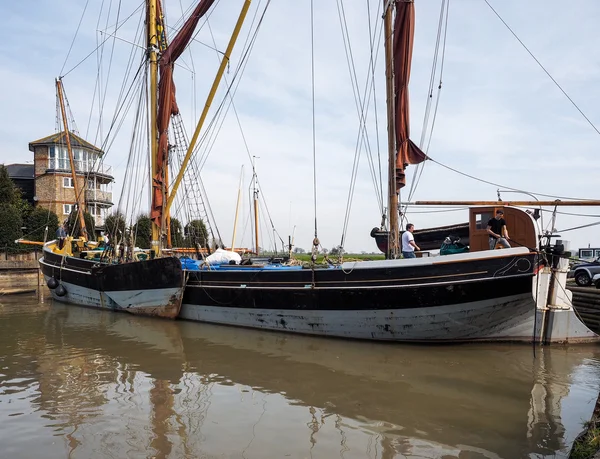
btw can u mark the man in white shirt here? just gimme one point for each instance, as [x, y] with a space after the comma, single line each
[408, 242]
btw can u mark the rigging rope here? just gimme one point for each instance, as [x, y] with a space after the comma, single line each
[312, 79]
[504, 186]
[543, 68]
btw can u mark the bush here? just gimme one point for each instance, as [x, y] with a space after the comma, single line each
[176, 233]
[72, 224]
[115, 227]
[196, 234]
[142, 232]
[10, 225]
[35, 224]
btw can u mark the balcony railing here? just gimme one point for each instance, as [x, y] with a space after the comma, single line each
[98, 196]
[80, 166]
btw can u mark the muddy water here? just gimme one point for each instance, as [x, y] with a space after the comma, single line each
[81, 383]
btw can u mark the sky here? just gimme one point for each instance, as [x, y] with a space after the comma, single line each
[500, 117]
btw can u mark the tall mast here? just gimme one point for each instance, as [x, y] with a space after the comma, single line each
[255, 195]
[391, 128]
[152, 51]
[71, 160]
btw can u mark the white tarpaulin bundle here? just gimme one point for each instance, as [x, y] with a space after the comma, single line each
[221, 256]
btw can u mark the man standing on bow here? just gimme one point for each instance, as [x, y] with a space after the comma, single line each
[408, 242]
[498, 234]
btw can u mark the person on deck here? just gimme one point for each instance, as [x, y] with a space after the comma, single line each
[498, 233]
[61, 234]
[408, 242]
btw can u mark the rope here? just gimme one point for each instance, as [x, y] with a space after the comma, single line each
[314, 140]
[543, 68]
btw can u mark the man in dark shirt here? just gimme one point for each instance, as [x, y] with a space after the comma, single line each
[497, 231]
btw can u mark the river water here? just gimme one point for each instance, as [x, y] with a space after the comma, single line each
[81, 383]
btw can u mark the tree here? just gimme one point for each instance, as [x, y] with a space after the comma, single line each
[72, 224]
[176, 233]
[115, 226]
[142, 232]
[9, 193]
[10, 225]
[196, 234]
[35, 223]
[337, 250]
[299, 250]
[11, 218]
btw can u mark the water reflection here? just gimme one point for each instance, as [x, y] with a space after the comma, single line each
[86, 383]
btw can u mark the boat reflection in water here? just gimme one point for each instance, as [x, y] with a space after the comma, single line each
[113, 385]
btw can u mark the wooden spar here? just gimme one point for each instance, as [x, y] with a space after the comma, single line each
[391, 128]
[574, 203]
[256, 222]
[72, 161]
[152, 50]
[211, 96]
[237, 209]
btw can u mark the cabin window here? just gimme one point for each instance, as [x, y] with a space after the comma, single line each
[482, 219]
[67, 208]
[597, 253]
[68, 182]
[587, 253]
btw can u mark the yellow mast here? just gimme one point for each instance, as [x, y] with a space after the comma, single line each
[71, 160]
[391, 128]
[211, 96]
[152, 50]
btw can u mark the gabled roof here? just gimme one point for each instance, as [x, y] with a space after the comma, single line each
[59, 138]
[20, 171]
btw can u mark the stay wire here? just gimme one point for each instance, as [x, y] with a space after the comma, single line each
[503, 186]
[543, 68]
[312, 77]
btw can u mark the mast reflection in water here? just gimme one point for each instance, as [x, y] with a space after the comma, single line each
[84, 383]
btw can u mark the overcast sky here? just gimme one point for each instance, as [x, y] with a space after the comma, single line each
[500, 116]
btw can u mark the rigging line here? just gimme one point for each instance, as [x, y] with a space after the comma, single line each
[437, 102]
[361, 109]
[314, 139]
[443, 25]
[362, 137]
[573, 214]
[372, 66]
[208, 138]
[100, 45]
[504, 186]
[543, 68]
[578, 227]
[75, 36]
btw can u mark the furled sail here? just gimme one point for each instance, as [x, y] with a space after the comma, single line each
[167, 105]
[407, 152]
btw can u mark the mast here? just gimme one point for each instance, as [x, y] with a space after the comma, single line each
[71, 160]
[255, 195]
[152, 51]
[391, 129]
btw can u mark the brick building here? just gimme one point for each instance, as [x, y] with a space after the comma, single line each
[54, 188]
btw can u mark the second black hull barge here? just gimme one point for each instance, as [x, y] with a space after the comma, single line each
[152, 287]
[485, 296]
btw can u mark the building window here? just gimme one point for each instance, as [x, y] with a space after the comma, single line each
[67, 208]
[90, 185]
[68, 182]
